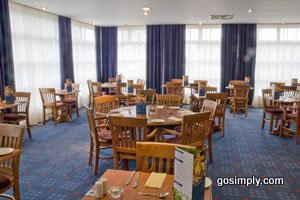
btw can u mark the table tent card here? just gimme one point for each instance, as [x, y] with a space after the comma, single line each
[69, 85]
[189, 174]
[130, 88]
[185, 80]
[294, 82]
[9, 97]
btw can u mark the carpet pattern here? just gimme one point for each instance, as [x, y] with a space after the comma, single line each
[54, 162]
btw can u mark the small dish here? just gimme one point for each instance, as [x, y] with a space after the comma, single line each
[157, 120]
[175, 107]
[208, 182]
[115, 192]
[5, 151]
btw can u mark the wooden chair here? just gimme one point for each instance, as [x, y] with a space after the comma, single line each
[201, 83]
[100, 138]
[174, 88]
[221, 99]
[140, 82]
[89, 83]
[177, 81]
[162, 156]
[126, 132]
[210, 106]
[72, 100]
[11, 136]
[21, 112]
[147, 96]
[168, 100]
[111, 89]
[120, 94]
[239, 101]
[291, 115]
[102, 106]
[236, 82]
[277, 83]
[96, 89]
[288, 91]
[195, 103]
[49, 103]
[269, 109]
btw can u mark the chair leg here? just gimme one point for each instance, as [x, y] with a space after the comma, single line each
[16, 189]
[55, 117]
[116, 161]
[271, 123]
[44, 116]
[263, 120]
[77, 110]
[223, 125]
[28, 127]
[96, 161]
[297, 132]
[125, 164]
[91, 152]
[210, 147]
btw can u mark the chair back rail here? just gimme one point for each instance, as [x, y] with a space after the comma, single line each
[168, 100]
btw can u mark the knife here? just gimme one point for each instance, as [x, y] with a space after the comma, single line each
[130, 178]
[136, 183]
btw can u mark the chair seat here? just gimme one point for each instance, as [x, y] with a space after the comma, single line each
[292, 116]
[4, 181]
[58, 104]
[105, 135]
[71, 100]
[14, 117]
[274, 110]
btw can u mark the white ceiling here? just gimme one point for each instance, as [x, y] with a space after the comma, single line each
[129, 12]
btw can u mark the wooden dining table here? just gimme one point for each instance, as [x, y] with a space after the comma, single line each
[119, 177]
[4, 106]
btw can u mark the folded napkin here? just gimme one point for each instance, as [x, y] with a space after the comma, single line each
[157, 120]
[116, 114]
[175, 107]
[155, 180]
[160, 107]
[175, 119]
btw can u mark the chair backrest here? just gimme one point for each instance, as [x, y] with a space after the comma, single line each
[209, 106]
[288, 91]
[121, 87]
[24, 99]
[201, 83]
[48, 96]
[126, 132]
[147, 96]
[75, 87]
[194, 128]
[177, 81]
[277, 83]
[11, 136]
[161, 156]
[96, 89]
[174, 88]
[236, 82]
[221, 99]
[111, 81]
[92, 126]
[140, 82]
[168, 100]
[241, 91]
[266, 95]
[209, 89]
[104, 104]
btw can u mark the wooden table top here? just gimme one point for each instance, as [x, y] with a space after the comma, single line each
[160, 113]
[64, 92]
[119, 177]
[285, 100]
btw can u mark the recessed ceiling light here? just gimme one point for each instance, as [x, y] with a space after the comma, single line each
[283, 22]
[146, 9]
[200, 23]
[146, 13]
[93, 23]
[44, 8]
[250, 10]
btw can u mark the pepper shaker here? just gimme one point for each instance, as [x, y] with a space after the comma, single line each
[99, 189]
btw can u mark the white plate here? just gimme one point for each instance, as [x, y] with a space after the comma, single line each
[175, 107]
[116, 115]
[160, 107]
[4, 151]
[157, 120]
[208, 182]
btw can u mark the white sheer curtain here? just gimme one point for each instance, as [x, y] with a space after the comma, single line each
[277, 56]
[132, 52]
[84, 57]
[203, 47]
[36, 53]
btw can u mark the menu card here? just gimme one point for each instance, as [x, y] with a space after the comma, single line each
[119, 78]
[185, 80]
[294, 82]
[9, 98]
[247, 80]
[189, 174]
[276, 91]
[69, 85]
[130, 88]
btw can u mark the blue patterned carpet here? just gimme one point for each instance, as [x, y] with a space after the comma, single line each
[54, 162]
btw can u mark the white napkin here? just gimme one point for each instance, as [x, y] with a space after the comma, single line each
[175, 119]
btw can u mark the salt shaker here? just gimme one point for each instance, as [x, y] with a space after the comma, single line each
[99, 189]
[104, 181]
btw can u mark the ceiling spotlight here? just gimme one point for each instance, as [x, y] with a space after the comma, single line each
[44, 8]
[283, 22]
[200, 23]
[250, 10]
[93, 23]
[146, 10]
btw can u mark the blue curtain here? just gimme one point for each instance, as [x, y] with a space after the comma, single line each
[65, 47]
[165, 54]
[98, 53]
[109, 52]
[6, 55]
[238, 53]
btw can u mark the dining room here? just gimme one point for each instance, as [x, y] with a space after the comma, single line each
[146, 99]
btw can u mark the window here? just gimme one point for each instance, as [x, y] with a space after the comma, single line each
[203, 47]
[277, 59]
[132, 52]
[36, 53]
[84, 57]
